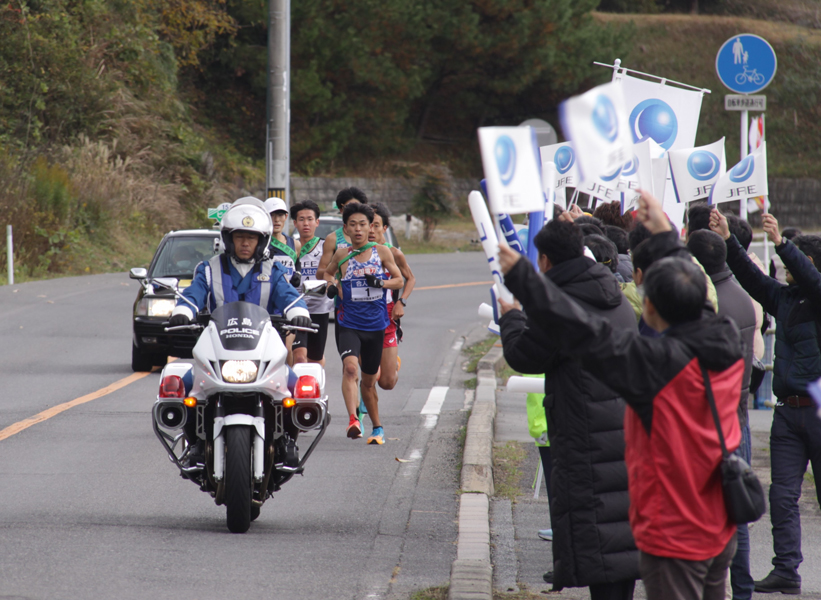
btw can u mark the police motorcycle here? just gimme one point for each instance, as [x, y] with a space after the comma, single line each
[244, 403]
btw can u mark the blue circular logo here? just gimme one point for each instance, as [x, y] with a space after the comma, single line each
[654, 119]
[564, 158]
[604, 118]
[703, 165]
[743, 170]
[611, 176]
[746, 63]
[505, 152]
[631, 168]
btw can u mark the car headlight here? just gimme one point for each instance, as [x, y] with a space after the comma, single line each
[239, 371]
[155, 307]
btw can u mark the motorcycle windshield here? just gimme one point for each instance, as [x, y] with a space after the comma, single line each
[240, 324]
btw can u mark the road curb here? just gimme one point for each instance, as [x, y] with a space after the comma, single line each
[471, 576]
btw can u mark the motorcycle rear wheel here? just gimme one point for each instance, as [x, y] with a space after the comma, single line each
[238, 483]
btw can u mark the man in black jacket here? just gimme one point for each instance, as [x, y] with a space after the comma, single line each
[711, 251]
[795, 437]
[592, 542]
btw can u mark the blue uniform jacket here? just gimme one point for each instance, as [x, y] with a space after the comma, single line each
[797, 311]
[282, 293]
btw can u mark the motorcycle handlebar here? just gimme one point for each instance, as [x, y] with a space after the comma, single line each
[193, 326]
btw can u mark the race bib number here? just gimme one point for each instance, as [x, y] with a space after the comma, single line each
[361, 292]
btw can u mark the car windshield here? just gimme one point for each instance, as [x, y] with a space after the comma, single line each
[180, 255]
[327, 227]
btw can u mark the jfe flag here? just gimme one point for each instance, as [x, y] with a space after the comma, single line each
[747, 179]
[564, 157]
[664, 113]
[596, 122]
[638, 173]
[696, 170]
[510, 157]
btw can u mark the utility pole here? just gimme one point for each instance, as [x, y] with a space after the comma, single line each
[277, 138]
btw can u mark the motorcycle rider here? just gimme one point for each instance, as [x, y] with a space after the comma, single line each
[241, 273]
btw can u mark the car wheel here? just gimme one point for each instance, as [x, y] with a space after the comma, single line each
[141, 361]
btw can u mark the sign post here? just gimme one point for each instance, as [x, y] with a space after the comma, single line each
[745, 64]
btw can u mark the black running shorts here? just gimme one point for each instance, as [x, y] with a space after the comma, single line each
[315, 342]
[366, 345]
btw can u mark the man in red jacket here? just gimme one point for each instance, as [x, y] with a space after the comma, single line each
[672, 450]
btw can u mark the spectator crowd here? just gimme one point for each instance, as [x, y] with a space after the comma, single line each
[634, 327]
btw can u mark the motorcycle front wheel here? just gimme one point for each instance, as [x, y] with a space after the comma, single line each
[238, 484]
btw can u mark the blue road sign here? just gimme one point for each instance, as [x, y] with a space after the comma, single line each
[746, 63]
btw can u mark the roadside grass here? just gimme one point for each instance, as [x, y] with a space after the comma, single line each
[522, 594]
[452, 234]
[432, 593]
[475, 352]
[507, 469]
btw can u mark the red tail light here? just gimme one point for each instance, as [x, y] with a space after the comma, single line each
[307, 387]
[172, 387]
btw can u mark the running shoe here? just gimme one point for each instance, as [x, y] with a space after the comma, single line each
[354, 428]
[398, 363]
[377, 437]
[546, 534]
[362, 409]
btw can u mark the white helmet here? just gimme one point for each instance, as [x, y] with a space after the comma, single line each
[247, 214]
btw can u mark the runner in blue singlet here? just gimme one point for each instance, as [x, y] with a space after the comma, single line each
[359, 276]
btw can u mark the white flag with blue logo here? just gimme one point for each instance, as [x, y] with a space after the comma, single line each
[748, 179]
[596, 122]
[564, 157]
[696, 170]
[664, 113]
[638, 173]
[513, 168]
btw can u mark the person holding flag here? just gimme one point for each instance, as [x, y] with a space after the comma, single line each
[358, 277]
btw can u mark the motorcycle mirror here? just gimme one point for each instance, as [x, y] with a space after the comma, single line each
[315, 288]
[138, 273]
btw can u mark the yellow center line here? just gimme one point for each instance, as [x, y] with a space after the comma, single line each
[56, 410]
[452, 285]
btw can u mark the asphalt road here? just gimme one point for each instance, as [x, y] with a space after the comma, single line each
[91, 508]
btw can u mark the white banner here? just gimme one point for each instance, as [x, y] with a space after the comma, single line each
[510, 157]
[696, 170]
[596, 122]
[747, 179]
[665, 113]
[564, 157]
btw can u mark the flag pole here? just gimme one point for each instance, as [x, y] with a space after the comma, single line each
[617, 65]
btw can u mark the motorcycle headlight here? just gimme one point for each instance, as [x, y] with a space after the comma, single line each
[155, 307]
[239, 371]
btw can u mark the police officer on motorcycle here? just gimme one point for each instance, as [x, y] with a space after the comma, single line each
[243, 272]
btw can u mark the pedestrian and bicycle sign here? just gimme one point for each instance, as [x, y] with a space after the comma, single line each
[746, 63]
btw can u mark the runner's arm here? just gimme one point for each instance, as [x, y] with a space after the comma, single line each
[404, 268]
[386, 256]
[329, 274]
[410, 281]
[328, 247]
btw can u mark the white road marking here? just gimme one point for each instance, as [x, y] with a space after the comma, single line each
[431, 421]
[436, 398]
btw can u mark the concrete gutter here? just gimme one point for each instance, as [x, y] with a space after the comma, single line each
[471, 575]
